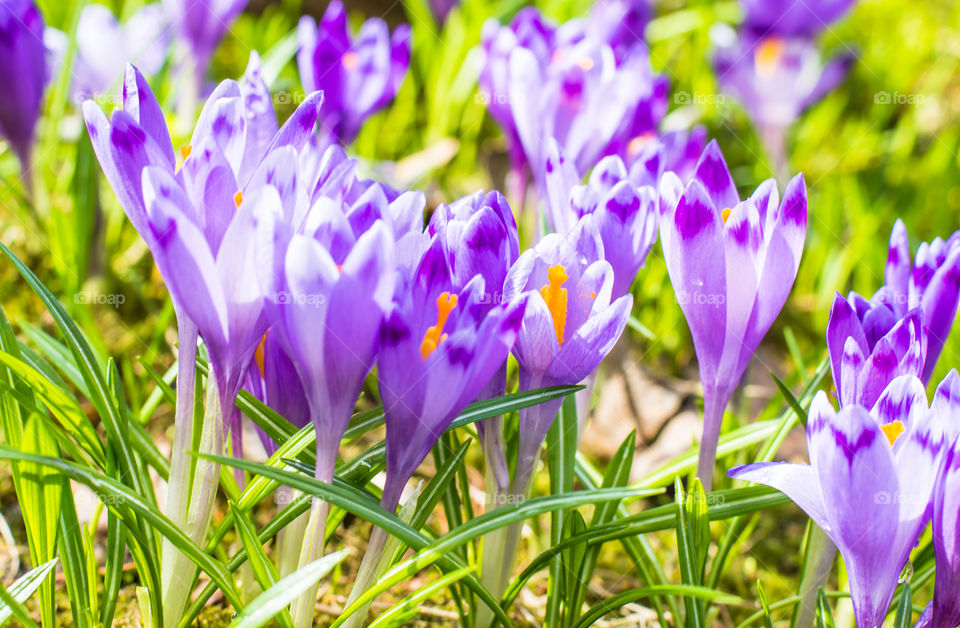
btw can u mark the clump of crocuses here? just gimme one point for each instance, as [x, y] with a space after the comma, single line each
[358, 74]
[732, 263]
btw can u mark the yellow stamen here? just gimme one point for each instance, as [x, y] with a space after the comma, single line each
[258, 354]
[238, 198]
[586, 64]
[726, 214]
[556, 298]
[767, 56]
[434, 336]
[892, 430]
[350, 60]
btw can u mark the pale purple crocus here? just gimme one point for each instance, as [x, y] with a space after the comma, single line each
[944, 610]
[931, 282]
[792, 18]
[24, 74]
[105, 47]
[625, 215]
[359, 74]
[648, 156]
[542, 81]
[201, 24]
[620, 23]
[440, 347]
[869, 347]
[571, 323]
[868, 485]
[732, 263]
[775, 78]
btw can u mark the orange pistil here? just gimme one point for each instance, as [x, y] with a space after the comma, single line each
[892, 431]
[556, 298]
[350, 60]
[726, 214]
[767, 56]
[434, 336]
[258, 354]
[238, 198]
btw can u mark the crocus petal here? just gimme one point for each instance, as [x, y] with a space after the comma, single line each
[939, 303]
[843, 324]
[583, 351]
[692, 240]
[799, 482]
[713, 174]
[142, 105]
[897, 273]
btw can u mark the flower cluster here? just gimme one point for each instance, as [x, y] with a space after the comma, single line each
[886, 456]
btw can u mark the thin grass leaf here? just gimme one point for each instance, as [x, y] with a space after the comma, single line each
[113, 568]
[764, 607]
[571, 565]
[904, 609]
[824, 615]
[263, 570]
[561, 459]
[16, 608]
[686, 551]
[785, 391]
[597, 611]
[286, 590]
[402, 612]
[25, 586]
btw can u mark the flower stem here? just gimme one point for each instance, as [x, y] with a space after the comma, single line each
[312, 549]
[179, 575]
[713, 406]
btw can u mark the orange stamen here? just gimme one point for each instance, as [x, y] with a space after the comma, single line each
[258, 354]
[636, 144]
[184, 153]
[238, 198]
[434, 336]
[556, 298]
[892, 430]
[586, 64]
[726, 214]
[767, 56]
[350, 60]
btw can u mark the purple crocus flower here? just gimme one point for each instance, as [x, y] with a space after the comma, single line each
[776, 78]
[23, 72]
[330, 316]
[869, 347]
[542, 81]
[620, 23]
[358, 75]
[440, 347]
[625, 215]
[944, 610]
[932, 282]
[105, 47]
[648, 156]
[791, 18]
[874, 466]
[571, 323]
[201, 25]
[272, 378]
[732, 264]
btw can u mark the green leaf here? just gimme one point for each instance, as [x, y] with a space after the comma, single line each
[904, 609]
[634, 595]
[824, 615]
[286, 590]
[571, 563]
[697, 515]
[764, 607]
[794, 404]
[687, 552]
[402, 612]
[562, 439]
[263, 569]
[25, 586]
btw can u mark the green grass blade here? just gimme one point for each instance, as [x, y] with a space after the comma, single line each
[402, 612]
[263, 569]
[634, 595]
[275, 599]
[561, 459]
[904, 609]
[25, 586]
